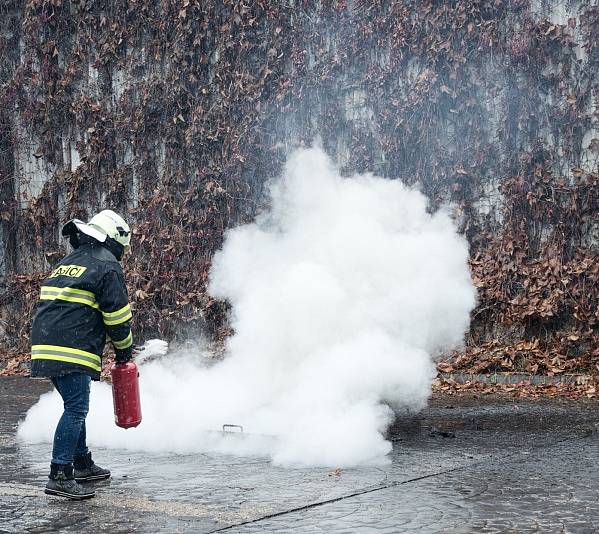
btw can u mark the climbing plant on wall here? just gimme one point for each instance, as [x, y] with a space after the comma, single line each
[180, 111]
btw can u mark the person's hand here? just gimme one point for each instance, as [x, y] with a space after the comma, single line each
[123, 357]
[150, 349]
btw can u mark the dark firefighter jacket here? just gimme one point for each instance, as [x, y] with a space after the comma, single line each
[82, 301]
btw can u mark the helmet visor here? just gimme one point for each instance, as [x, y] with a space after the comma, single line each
[80, 226]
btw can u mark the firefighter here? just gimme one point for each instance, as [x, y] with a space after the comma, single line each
[82, 303]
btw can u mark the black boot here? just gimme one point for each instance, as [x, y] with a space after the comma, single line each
[86, 469]
[62, 483]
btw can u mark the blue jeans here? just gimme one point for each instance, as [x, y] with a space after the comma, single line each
[69, 438]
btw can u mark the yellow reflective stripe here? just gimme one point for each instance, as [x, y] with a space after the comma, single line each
[115, 314]
[69, 294]
[123, 319]
[70, 290]
[66, 354]
[66, 350]
[69, 299]
[125, 343]
[67, 359]
[117, 317]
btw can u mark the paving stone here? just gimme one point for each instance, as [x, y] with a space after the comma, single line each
[512, 466]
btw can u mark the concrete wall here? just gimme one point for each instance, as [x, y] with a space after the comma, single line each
[34, 170]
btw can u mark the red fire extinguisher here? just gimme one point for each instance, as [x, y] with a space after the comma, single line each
[125, 394]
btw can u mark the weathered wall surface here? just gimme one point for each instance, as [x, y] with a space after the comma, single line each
[178, 112]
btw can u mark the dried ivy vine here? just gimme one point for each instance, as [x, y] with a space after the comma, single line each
[178, 108]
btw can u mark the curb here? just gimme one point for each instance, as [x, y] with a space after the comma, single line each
[515, 378]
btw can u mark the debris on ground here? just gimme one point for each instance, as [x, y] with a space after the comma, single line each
[523, 389]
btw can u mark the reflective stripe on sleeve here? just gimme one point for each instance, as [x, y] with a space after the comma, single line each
[125, 343]
[69, 294]
[117, 317]
[66, 354]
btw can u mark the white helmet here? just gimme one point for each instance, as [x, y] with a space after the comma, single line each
[113, 225]
[102, 225]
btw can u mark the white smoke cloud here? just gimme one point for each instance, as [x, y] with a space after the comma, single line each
[341, 295]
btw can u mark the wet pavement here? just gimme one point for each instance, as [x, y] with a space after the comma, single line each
[464, 465]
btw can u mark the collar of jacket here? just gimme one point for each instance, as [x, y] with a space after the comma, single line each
[99, 252]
